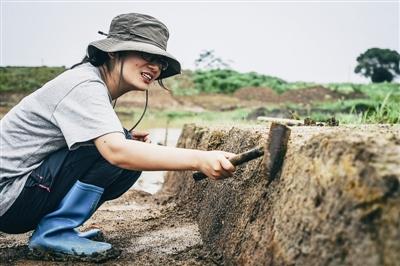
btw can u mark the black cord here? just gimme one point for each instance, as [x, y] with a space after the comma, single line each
[144, 111]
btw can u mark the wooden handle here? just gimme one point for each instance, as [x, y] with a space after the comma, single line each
[199, 176]
[237, 160]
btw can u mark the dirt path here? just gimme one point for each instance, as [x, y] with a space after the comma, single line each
[147, 229]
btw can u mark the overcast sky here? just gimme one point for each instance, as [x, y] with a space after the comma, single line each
[294, 40]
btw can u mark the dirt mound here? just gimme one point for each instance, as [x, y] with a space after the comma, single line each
[337, 201]
[214, 102]
[159, 98]
[304, 96]
[262, 94]
[309, 95]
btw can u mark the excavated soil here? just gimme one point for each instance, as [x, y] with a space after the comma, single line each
[336, 202]
[145, 229]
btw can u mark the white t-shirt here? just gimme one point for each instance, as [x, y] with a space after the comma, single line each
[70, 110]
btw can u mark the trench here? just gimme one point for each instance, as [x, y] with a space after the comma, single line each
[336, 201]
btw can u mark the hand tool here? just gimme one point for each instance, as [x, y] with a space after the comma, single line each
[274, 152]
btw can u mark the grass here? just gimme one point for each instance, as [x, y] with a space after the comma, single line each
[381, 102]
[26, 79]
[386, 112]
[358, 111]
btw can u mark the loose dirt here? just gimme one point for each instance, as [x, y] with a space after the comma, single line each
[263, 94]
[336, 201]
[146, 229]
[301, 96]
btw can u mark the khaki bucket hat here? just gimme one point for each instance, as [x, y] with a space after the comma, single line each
[139, 32]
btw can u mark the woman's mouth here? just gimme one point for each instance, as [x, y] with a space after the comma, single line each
[147, 77]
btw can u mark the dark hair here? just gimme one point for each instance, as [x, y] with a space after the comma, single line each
[97, 57]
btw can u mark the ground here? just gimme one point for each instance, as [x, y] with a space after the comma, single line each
[336, 201]
[244, 97]
[147, 229]
[156, 229]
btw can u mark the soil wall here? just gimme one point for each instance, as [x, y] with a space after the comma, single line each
[336, 202]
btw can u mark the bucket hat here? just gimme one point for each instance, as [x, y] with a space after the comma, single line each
[138, 32]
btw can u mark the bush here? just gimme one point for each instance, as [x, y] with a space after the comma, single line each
[228, 81]
[26, 79]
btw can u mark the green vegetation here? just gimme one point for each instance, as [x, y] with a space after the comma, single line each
[227, 81]
[381, 105]
[376, 102]
[379, 64]
[26, 79]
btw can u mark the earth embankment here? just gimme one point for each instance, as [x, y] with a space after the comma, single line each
[336, 202]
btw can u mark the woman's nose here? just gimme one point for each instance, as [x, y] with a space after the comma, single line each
[154, 67]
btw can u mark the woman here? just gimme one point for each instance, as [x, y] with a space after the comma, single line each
[64, 151]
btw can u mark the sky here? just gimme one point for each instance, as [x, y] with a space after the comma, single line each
[311, 41]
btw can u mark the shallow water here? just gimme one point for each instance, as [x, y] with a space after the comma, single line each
[152, 181]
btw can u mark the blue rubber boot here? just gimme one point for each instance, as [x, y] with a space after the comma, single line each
[93, 234]
[55, 236]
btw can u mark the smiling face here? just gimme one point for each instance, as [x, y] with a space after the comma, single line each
[139, 74]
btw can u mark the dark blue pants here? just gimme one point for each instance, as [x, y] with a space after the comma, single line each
[50, 182]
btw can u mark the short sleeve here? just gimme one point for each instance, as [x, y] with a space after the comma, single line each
[86, 113]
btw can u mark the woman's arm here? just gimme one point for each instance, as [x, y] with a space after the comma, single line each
[136, 155]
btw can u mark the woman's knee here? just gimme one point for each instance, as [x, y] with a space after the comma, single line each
[124, 182]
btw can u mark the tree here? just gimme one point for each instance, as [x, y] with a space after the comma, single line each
[208, 60]
[378, 64]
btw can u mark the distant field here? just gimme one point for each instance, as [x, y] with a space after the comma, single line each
[26, 79]
[239, 95]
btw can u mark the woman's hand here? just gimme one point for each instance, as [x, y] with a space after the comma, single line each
[142, 136]
[216, 164]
